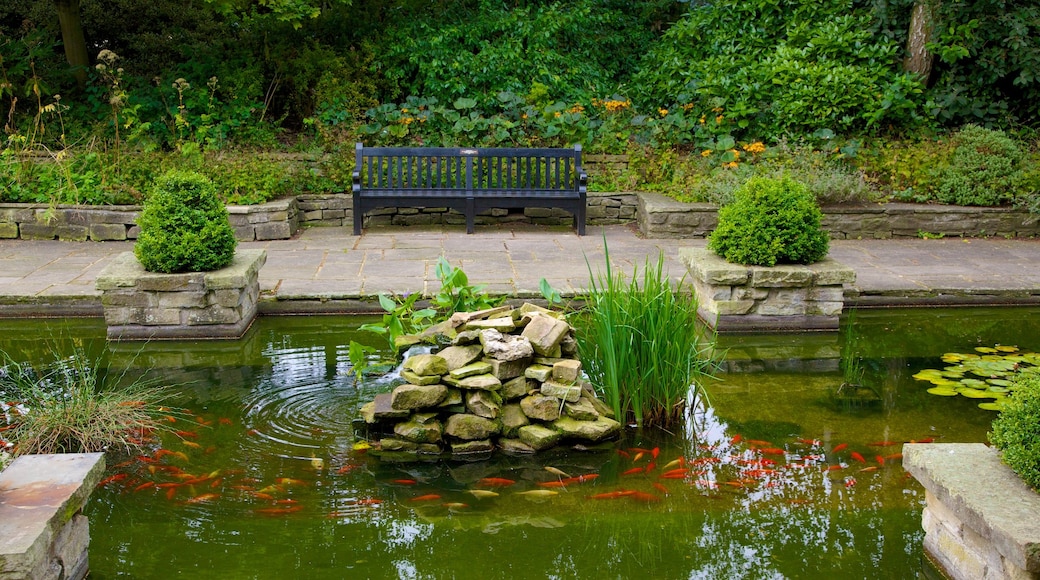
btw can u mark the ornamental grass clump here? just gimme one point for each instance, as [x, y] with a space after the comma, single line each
[184, 226]
[640, 345]
[771, 221]
[66, 407]
[1016, 431]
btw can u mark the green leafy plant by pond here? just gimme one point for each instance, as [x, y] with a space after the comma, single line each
[65, 407]
[771, 221]
[184, 227]
[984, 169]
[1016, 431]
[988, 373]
[404, 320]
[640, 344]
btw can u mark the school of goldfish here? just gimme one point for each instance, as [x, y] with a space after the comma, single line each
[637, 474]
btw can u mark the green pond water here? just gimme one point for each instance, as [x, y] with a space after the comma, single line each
[777, 479]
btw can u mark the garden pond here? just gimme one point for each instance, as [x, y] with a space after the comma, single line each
[775, 475]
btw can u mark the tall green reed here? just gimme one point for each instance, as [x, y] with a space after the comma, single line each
[640, 343]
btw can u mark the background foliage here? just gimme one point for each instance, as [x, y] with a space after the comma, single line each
[663, 79]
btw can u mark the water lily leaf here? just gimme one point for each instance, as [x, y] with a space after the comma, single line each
[998, 390]
[1006, 348]
[975, 394]
[999, 382]
[952, 374]
[928, 374]
[992, 406]
[943, 391]
[985, 349]
[973, 383]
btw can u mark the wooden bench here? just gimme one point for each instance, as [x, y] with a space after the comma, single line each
[469, 180]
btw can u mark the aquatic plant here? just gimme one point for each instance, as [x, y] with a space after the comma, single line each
[988, 373]
[65, 407]
[1016, 431]
[640, 344]
[403, 318]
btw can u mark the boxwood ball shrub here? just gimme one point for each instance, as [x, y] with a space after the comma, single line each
[771, 221]
[1016, 431]
[184, 226]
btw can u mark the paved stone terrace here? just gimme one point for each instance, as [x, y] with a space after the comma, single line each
[330, 270]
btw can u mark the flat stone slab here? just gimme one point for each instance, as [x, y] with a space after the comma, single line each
[971, 481]
[38, 495]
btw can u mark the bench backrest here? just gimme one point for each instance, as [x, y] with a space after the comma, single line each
[468, 169]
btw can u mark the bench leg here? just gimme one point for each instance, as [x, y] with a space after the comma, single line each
[579, 220]
[471, 214]
[359, 217]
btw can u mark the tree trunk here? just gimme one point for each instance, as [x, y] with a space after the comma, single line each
[919, 59]
[72, 38]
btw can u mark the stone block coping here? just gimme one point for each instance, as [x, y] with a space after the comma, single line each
[970, 480]
[39, 495]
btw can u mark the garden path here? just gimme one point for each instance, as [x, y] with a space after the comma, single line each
[328, 269]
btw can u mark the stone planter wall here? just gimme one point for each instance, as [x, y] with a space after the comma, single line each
[140, 305]
[981, 521]
[510, 381]
[732, 297]
[43, 532]
[660, 216]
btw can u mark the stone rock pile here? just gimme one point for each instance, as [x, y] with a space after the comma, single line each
[510, 380]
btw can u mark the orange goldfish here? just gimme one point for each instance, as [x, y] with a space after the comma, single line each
[427, 497]
[495, 482]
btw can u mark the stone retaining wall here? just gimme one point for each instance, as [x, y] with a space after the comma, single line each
[660, 216]
[276, 220]
[657, 216]
[141, 305]
[980, 520]
[43, 532]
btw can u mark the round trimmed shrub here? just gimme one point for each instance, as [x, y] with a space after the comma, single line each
[184, 226]
[985, 169]
[1016, 431]
[771, 221]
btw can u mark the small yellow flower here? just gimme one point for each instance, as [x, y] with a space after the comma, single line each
[663, 112]
[755, 148]
[556, 114]
[703, 119]
[706, 153]
[736, 154]
[524, 116]
[718, 120]
[404, 110]
[730, 165]
[717, 110]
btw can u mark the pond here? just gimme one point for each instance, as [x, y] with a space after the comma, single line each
[773, 477]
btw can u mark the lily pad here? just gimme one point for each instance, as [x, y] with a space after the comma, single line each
[975, 394]
[1006, 348]
[973, 383]
[943, 391]
[992, 406]
[985, 349]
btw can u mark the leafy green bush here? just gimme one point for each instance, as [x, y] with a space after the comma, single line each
[184, 227]
[984, 169]
[770, 221]
[1016, 431]
[800, 67]
[639, 344]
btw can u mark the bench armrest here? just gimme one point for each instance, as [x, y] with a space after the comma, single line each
[355, 181]
[583, 180]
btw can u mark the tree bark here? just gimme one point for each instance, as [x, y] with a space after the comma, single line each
[919, 59]
[72, 38]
